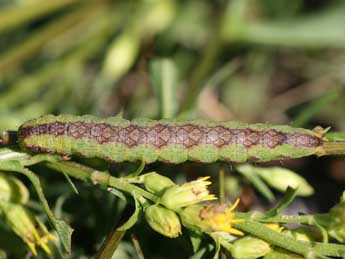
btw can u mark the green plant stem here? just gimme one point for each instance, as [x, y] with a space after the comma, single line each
[333, 148]
[312, 220]
[97, 177]
[110, 245]
[298, 219]
[300, 247]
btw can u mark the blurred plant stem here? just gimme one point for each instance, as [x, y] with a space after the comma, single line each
[318, 30]
[31, 85]
[148, 19]
[26, 12]
[16, 56]
[199, 75]
[316, 106]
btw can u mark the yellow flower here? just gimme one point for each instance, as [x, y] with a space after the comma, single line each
[211, 218]
[25, 225]
[187, 194]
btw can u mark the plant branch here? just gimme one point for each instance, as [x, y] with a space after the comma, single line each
[333, 148]
[300, 247]
[85, 173]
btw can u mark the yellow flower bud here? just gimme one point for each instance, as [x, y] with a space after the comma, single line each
[210, 218]
[163, 220]
[249, 248]
[26, 226]
[157, 183]
[187, 194]
[12, 190]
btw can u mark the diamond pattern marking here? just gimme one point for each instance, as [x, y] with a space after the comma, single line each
[161, 135]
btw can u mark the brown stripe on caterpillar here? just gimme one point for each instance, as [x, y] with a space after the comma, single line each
[162, 135]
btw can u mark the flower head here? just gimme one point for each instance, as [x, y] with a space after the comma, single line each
[187, 194]
[211, 218]
[24, 224]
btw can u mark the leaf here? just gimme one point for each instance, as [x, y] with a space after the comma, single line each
[195, 239]
[9, 154]
[336, 136]
[132, 219]
[112, 242]
[117, 193]
[217, 247]
[288, 198]
[315, 106]
[139, 170]
[247, 171]
[278, 178]
[201, 253]
[164, 78]
[62, 228]
[69, 180]
[281, 178]
[319, 30]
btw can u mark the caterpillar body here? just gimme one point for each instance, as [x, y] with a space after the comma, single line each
[117, 139]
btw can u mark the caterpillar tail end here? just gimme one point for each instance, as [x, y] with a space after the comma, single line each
[8, 137]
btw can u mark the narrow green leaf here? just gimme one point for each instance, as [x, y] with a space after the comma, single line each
[139, 170]
[164, 79]
[9, 154]
[195, 239]
[69, 180]
[250, 174]
[132, 219]
[336, 136]
[319, 30]
[217, 249]
[117, 193]
[281, 178]
[288, 198]
[278, 178]
[202, 252]
[314, 107]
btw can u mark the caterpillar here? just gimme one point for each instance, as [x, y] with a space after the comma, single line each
[116, 139]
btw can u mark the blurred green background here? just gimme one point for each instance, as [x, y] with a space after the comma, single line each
[280, 62]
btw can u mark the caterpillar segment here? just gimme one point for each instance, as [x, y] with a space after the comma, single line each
[116, 139]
